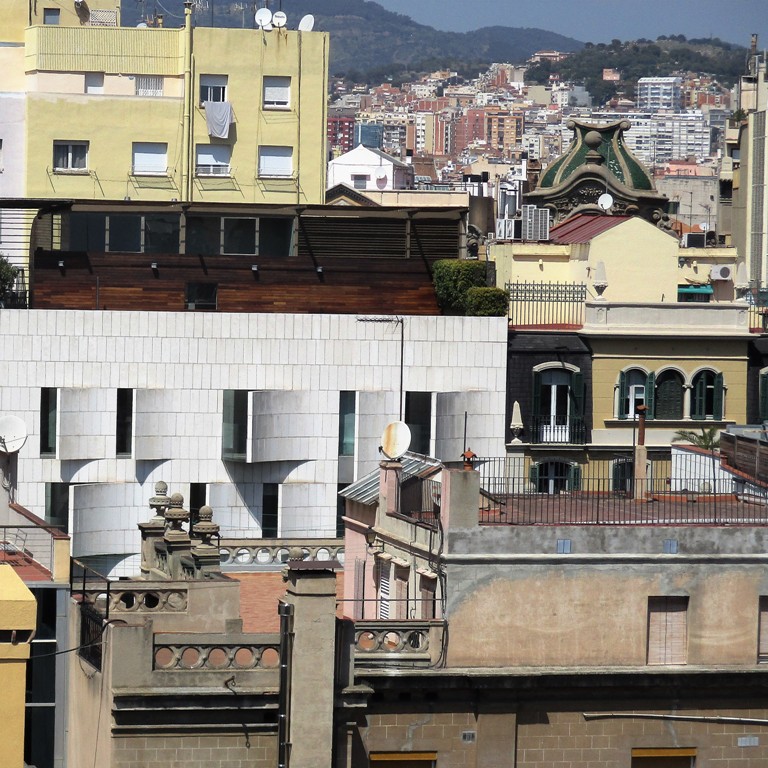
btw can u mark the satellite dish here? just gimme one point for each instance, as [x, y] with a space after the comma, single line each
[279, 19]
[381, 174]
[605, 201]
[263, 18]
[395, 440]
[13, 434]
[307, 23]
[141, 25]
[703, 226]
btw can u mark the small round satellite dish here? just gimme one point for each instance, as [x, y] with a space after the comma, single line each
[279, 19]
[381, 174]
[141, 25]
[307, 23]
[263, 18]
[703, 226]
[396, 439]
[13, 434]
[605, 201]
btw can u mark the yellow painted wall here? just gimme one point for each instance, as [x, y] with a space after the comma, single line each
[12, 67]
[17, 15]
[611, 356]
[59, 110]
[18, 610]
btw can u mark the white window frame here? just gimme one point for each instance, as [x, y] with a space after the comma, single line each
[149, 85]
[276, 92]
[149, 158]
[213, 88]
[69, 167]
[94, 83]
[275, 162]
[212, 157]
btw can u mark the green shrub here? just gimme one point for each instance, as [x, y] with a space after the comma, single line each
[453, 278]
[8, 275]
[487, 302]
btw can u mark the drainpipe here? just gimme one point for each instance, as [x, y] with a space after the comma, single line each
[285, 611]
[186, 130]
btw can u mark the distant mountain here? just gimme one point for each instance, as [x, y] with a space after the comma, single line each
[367, 39]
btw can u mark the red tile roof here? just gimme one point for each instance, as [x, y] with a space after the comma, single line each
[582, 227]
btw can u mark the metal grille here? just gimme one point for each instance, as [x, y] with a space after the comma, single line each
[537, 305]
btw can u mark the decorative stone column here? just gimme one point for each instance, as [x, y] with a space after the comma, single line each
[206, 555]
[153, 530]
[176, 540]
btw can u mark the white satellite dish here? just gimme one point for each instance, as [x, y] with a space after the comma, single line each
[395, 440]
[307, 23]
[141, 25]
[703, 226]
[381, 174]
[13, 434]
[605, 201]
[279, 19]
[263, 18]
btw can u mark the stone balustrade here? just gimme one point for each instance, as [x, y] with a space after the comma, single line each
[137, 598]
[272, 554]
[385, 642]
[186, 653]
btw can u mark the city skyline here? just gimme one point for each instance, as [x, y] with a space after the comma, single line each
[733, 22]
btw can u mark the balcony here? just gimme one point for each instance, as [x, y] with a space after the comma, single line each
[559, 429]
[546, 305]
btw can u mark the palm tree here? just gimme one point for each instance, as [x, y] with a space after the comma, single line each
[708, 439]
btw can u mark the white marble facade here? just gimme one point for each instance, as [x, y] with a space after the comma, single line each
[180, 364]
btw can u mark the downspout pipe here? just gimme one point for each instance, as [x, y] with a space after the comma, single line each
[186, 128]
[687, 718]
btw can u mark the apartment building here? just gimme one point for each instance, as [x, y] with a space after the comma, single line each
[660, 94]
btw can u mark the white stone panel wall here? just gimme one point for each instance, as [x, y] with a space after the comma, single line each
[86, 423]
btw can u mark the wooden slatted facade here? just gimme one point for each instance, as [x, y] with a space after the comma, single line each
[339, 263]
[667, 630]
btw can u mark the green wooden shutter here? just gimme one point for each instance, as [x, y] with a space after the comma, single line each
[536, 394]
[650, 395]
[574, 477]
[623, 394]
[717, 400]
[764, 397]
[698, 407]
[533, 476]
[577, 393]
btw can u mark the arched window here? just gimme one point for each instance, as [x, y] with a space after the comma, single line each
[635, 388]
[669, 396]
[554, 476]
[558, 406]
[707, 400]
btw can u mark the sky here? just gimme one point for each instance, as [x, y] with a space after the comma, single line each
[598, 21]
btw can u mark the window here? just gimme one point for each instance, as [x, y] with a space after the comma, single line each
[57, 505]
[70, 156]
[149, 158]
[94, 82]
[764, 396]
[667, 630]
[213, 88]
[87, 231]
[277, 92]
[201, 296]
[360, 180]
[239, 236]
[669, 396]
[234, 424]
[213, 160]
[347, 423]
[215, 235]
[270, 503]
[384, 578]
[552, 477]
[762, 632]
[275, 162]
[149, 85]
[51, 16]
[700, 294]
[558, 406]
[707, 401]
[635, 388]
[48, 414]
[150, 233]
[197, 499]
[1, 156]
[428, 593]
[124, 422]
[418, 417]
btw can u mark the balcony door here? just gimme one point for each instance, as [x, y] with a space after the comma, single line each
[555, 406]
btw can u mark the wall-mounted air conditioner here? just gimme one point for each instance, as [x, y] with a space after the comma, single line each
[694, 240]
[721, 272]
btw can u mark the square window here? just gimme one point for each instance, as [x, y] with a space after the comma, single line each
[277, 92]
[213, 160]
[51, 16]
[70, 156]
[201, 296]
[360, 181]
[213, 88]
[149, 85]
[149, 158]
[94, 82]
[275, 162]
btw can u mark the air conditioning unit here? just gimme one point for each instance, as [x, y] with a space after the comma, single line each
[721, 272]
[507, 229]
[501, 229]
[694, 240]
[535, 223]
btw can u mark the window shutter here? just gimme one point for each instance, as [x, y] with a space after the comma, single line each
[764, 397]
[577, 392]
[667, 630]
[574, 477]
[698, 411]
[384, 570]
[650, 395]
[533, 476]
[536, 394]
[762, 642]
[717, 400]
[623, 394]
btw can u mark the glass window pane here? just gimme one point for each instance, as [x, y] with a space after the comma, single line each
[346, 423]
[275, 237]
[234, 426]
[203, 235]
[240, 236]
[87, 231]
[125, 233]
[79, 156]
[161, 233]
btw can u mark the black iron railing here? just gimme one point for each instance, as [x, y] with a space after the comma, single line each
[541, 305]
[557, 429]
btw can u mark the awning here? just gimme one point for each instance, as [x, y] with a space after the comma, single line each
[695, 289]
